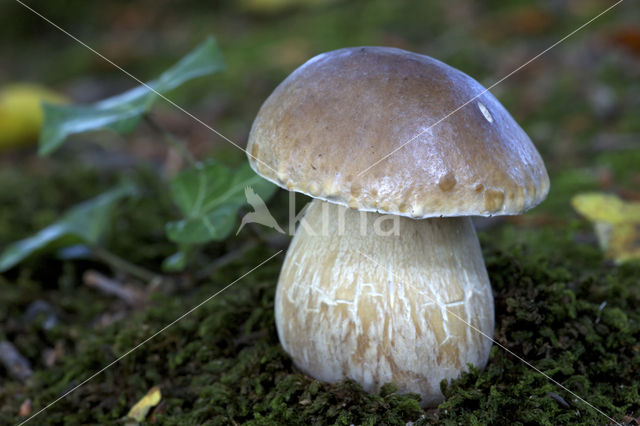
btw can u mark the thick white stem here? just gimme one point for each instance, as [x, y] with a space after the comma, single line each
[353, 301]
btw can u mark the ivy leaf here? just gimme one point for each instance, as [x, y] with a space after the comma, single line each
[176, 262]
[209, 196]
[203, 227]
[122, 113]
[84, 223]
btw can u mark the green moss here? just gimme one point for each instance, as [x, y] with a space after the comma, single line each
[223, 363]
[549, 311]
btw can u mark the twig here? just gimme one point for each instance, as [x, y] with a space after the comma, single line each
[558, 398]
[171, 139]
[17, 365]
[131, 297]
[40, 307]
[119, 264]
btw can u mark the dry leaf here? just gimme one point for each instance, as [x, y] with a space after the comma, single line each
[627, 38]
[25, 408]
[616, 222]
[139, 411]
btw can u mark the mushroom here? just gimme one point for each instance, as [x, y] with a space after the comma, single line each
[409, 303]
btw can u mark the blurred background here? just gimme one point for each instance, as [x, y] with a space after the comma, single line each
[579, 102]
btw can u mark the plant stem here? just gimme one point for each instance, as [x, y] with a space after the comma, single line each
[120, 264]
[224, 260]
[171, 139]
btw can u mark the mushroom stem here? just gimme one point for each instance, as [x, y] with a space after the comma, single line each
[379, 298]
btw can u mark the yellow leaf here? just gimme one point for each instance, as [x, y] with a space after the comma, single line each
[616, 222]
[139, 411]
[21, 113]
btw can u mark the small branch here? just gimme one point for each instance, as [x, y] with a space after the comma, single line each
[16, 365]
[171, 139]
[119, 264]
[131, 296]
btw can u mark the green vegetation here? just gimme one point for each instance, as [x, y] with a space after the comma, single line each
[208, 194]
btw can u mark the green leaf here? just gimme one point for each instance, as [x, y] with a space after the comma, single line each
[177, 262]
[209, 196]
[205, 227]
[84, 223]
[121, 113]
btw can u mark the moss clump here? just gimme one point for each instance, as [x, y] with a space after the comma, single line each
[550, 310]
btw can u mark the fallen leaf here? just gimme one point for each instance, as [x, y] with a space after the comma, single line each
[25, 408]
[139, 411]
[21, 113]
[616, 223]
[628, 38]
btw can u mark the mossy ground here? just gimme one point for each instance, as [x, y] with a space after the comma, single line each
[223, 365]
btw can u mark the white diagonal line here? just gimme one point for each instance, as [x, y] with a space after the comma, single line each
[524, 361]
[141, 82]
[163, 329]
[491, 87]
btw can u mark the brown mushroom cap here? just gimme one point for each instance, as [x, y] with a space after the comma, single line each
[343, 111]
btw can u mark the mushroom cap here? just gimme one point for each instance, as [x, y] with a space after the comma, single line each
[327, 131]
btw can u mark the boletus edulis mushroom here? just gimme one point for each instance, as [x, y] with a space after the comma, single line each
[413, 305]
